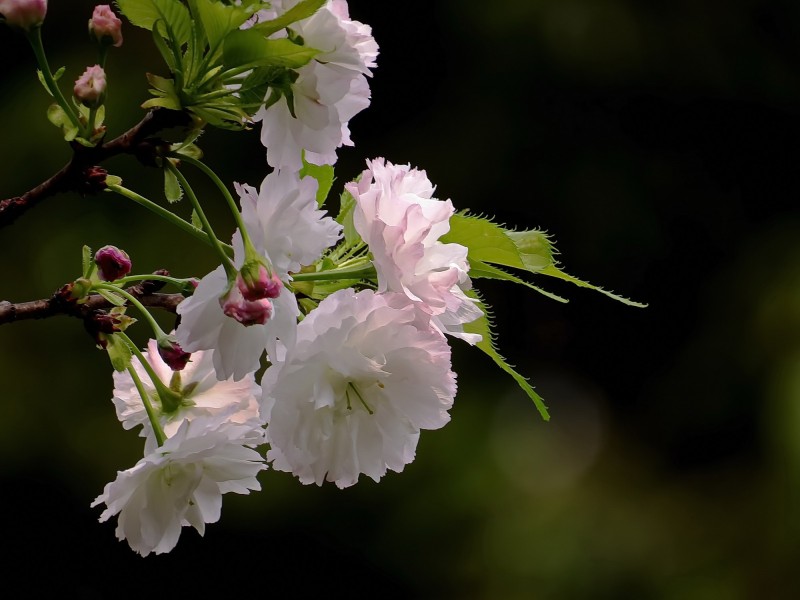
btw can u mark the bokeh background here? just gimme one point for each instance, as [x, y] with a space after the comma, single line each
[655, 141]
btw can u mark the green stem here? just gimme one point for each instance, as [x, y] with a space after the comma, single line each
[35, 38]
[148, 407]
[169, 400]
[362, 272]
[230, 270]
[90, 122]
[179, 283]
[168, 215]
[157, 331]
[237, 215]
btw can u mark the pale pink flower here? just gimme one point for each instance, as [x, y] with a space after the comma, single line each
[285, 222]
[90, 87]
[236, 348]
[329, 91]
[105, 26]
[202, 395]
[401, 222]
[23, 13]
[355, 389]
[182, 482]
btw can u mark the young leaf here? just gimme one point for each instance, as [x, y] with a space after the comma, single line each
[144, 13]
[302, 10]
[249, 48]
[553, 271]
[345, 218]
[483, 327]
[220, 19]
[479, 270]
[87, 262]
[196, 220]
[172, 189]
[118, 352]
[324, 176]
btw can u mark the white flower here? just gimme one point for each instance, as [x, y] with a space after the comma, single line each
[354, 391]
[401, 222]
[328, 92]
[285, 222]
[201, 393]
[237, 349]
[182, 482]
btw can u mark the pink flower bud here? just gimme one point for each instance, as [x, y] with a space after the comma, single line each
[256, 282]
[23, 13]
[112, 263]
[247, 312]
[105, 26]
[90, 88]
[173, 355]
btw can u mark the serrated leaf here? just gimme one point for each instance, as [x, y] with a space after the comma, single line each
[219, 20]
[324, 176]
[118, 352]
[113, 298]
[302, 10]
[58, 117]
[484, 240]
[482, 326]
[345, 218]
[144, 13]
[249, 48]
[172, 189]
[196, 220]
[87, 261]
[480, 270]
[553, 271]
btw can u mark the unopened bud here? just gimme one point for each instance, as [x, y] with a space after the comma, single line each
[90, 88]
[23, 13]
[247, 312]
[105, 26]
[112, 263]
[172, 354]
[256, 282]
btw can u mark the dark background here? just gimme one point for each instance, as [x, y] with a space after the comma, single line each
[655, 141]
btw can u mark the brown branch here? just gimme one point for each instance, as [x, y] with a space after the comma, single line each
[77, 175]
[50, 307]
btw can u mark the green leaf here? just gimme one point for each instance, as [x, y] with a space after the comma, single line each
[302, 10]
[172, 189]
[144, 13]
[553, 271]
[113, 298]
[220, 19]
[479, 270]
[484, 240]
[163, 102]
[324, 176]
[56, 76]
[345, 218]
[87, 261]
[482, 326]
[196, 220]
[58, 117]
[118, 352]
[249, 48]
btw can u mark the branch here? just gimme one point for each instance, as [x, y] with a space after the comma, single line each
[77, 174]
[50, 307]
[60, 304]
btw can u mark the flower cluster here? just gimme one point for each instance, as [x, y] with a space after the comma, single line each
[324, 339]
